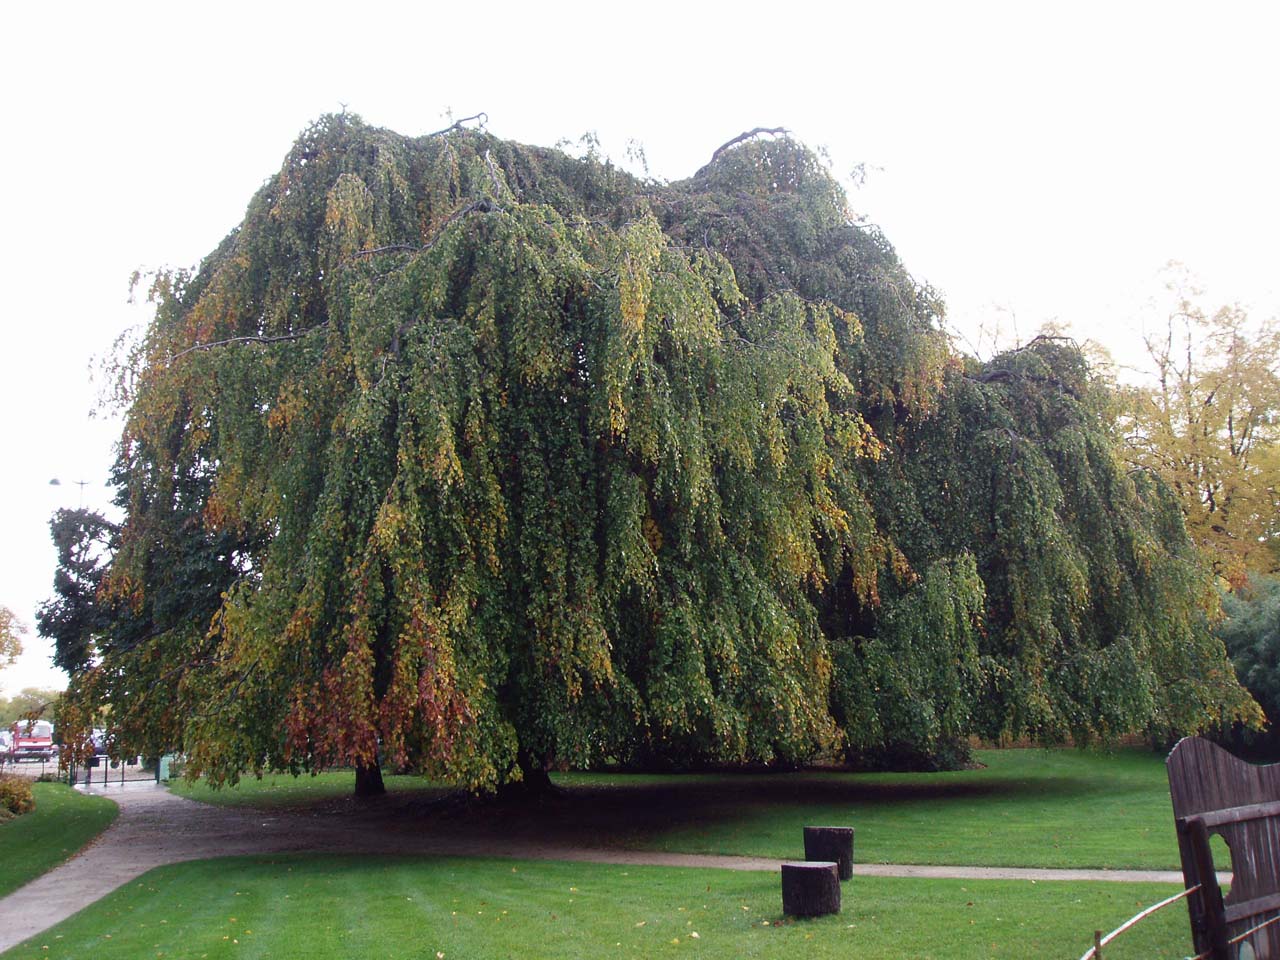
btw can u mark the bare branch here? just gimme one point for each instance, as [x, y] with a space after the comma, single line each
[389, 248]
[776, 131]
[1002, 376]
[457, 124]
[1045, 338]
[493, 175]
[222, 343]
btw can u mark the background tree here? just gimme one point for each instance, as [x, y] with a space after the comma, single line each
[11, 631]
[76, 617]
[479, 459]
[28, 702]
[1209, 422]
[1251, 632]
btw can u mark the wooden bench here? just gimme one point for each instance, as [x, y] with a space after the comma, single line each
[1217, 794]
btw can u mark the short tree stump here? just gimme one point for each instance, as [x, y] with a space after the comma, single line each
[810, 889]
[830, 843]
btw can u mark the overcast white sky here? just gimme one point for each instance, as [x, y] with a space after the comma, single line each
[1028, 159]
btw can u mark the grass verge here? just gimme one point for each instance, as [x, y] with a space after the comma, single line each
[62, 822]
[318, 907]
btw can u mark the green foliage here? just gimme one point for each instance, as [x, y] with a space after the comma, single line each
[1251, 632]
[1097, 610]
[906, 697]
[15, 795]
[479, 459]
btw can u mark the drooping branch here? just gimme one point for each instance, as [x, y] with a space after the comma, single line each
[230, 340]
[776, 131]
[389, 248]
[481, 206]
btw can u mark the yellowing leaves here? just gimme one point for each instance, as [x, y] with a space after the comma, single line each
[348, 215]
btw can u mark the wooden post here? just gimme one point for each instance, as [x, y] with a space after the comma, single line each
[1097, 945]
[810, 889]
[830, 843]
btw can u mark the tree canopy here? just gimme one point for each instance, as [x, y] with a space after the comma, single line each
[1209, 422]
[478, 458]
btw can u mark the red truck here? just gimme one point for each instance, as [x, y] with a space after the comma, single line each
[31, 740]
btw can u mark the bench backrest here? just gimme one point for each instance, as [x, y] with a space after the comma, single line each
[1215, 793]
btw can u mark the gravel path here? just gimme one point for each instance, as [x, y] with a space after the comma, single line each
[156, 827]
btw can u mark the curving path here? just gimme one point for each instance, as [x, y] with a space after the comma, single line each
[156, 827]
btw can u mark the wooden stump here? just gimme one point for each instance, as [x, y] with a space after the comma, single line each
[810, 889]
[830, 843]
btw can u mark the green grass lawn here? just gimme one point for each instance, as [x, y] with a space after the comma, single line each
[62, 822]
[1047, 808]
[281, 791]
[340, 907]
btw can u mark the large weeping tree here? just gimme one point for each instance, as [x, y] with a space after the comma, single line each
[474, 459]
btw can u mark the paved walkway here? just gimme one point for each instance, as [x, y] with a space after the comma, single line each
[156, 827]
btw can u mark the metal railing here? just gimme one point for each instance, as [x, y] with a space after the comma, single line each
[25, 767]
[104, 772]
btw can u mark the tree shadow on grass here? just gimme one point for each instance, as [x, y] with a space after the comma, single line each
[618, 812]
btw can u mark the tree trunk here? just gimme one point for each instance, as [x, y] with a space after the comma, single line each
[535, 782]
[369, 781]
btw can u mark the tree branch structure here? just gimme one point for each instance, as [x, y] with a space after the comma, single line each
[758, 131]
[1004, 376]
[283, 338]
[458, 124]
[476, 206]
